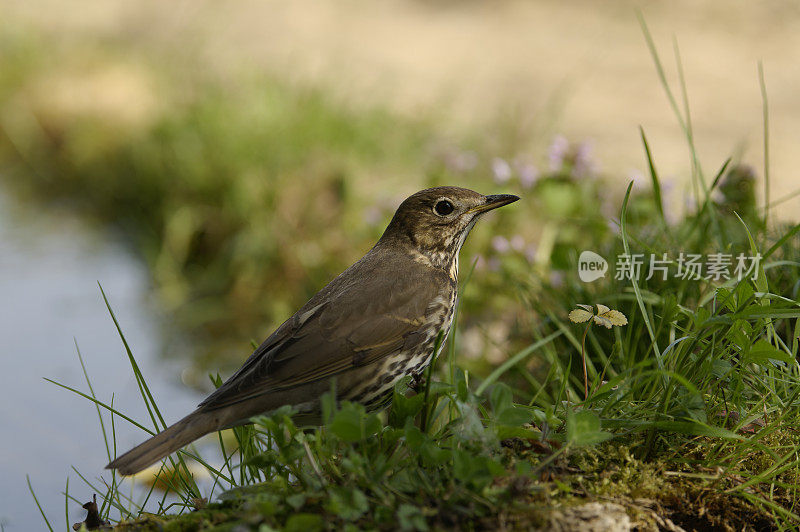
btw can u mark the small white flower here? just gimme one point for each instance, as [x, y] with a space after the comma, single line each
[501, 170]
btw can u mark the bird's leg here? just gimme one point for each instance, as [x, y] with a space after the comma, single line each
[417, 381]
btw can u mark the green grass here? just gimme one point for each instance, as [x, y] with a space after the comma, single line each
[695, 412]
[692, 405]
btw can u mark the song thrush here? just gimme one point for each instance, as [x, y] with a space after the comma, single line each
[368, 328]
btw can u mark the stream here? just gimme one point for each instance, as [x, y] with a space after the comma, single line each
[50, 264]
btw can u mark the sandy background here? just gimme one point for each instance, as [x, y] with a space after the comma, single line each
[577, 68]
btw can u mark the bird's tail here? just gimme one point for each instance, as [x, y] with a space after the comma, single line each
[162, 444]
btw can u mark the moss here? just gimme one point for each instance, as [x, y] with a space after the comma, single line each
[652, 493]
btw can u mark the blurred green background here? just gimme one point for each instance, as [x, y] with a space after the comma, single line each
[249, 152]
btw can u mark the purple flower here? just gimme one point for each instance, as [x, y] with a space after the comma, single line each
[517, 243]
[530, 253]
[608, 206]
[557, 152]
[671, 216]
[461, 161]
[528, 174]
[501, 170]
[638, 179]
[583, 162]
[479, 261]
[500, 244]
[689, 204]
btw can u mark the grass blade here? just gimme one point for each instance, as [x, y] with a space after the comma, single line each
[514, 360]
[36, 500]
[91, 391]
[635, 282]
[765, 117]
[66, 505]
[144, 390]
[659, 202]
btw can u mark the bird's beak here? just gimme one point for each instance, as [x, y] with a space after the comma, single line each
[493, 202]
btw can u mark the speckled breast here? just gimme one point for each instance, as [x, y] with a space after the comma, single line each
[377, 381]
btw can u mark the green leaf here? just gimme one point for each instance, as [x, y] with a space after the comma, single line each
[353, 424]
[700, 316]
[411, 518]
[433, 455]
[478, 471]
[462, 390]
[438, 389]
[372, 425]
[465, 465]
[757, 311]
[304, 523]
[501, 397]
[404, 482]
[264, 460]
[694, 406]
[404, 407]
[468, 426]
[583, 429]
[296, 501]
[495, 468]
[266, 506]
[762, 352]
[347, 503]
[514, 416]
[328, 404]
[724, 296]
[744, 294]
[720, 367]
[414, 437]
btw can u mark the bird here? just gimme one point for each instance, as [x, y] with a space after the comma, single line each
[374, 324]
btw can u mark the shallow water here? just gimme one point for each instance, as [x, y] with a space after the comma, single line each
[49, 299]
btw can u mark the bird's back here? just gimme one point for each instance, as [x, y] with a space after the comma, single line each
[368, 328]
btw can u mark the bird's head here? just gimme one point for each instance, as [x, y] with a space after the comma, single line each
[436, 221]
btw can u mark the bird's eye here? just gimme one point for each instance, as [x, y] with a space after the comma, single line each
[443, 207]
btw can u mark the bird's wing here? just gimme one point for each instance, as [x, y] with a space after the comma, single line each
[356, 324]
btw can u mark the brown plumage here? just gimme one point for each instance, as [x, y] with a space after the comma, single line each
[368, 328]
